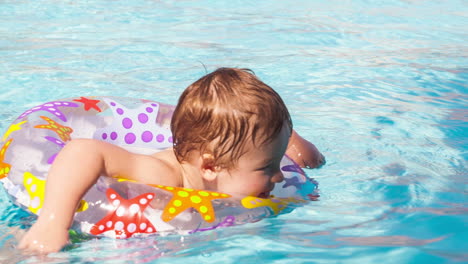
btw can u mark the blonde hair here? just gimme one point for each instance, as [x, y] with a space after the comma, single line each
[222, 111]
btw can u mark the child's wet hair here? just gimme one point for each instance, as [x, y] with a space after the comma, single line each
[224, 110]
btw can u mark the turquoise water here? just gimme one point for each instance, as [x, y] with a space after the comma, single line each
[379, 86]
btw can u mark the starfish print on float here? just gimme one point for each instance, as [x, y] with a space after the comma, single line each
[275, 204]
[89, 103]
[127, 218]
[62, 131]
[135, 127]
[13, 128]
[36, 189]
[184, 198]
[4, 167]
[51, 107]
[59, 143]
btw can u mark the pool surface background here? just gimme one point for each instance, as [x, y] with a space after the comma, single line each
[379, 86]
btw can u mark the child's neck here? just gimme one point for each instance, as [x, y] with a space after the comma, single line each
[187, 172]
[191, 176]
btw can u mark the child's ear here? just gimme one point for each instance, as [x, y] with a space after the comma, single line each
[208, 167]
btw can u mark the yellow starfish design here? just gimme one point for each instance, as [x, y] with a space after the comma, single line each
[36, 189]
[184, 198]
[276, 204]
[4, 167]
[122, 179]
[12, 128]
[82, 206]
[62, 131]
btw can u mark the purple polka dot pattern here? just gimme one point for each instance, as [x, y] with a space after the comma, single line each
[130, 138]
[51, 107]
[127, 123]
[160, 138]
[143, 118]
[135, 126]
[147, 136]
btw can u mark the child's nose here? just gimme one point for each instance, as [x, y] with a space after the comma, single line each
[278, 177]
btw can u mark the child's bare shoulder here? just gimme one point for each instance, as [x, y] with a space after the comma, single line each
[159, 168]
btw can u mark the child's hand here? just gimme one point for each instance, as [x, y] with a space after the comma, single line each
[304, 153]
[43, 239]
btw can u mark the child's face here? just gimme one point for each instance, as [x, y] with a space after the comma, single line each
[257, 170]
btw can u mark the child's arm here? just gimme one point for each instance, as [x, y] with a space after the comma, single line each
[75, 170]
[303, 152]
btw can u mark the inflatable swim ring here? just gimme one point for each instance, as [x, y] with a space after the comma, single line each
[116, 207]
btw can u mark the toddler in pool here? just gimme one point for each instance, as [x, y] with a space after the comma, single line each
[230, 132]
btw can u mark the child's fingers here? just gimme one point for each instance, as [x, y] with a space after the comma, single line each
[34, 242]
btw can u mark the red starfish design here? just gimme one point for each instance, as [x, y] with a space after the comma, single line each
[127, 218]
[89, 103]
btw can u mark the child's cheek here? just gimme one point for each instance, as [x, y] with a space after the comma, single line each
[258, 183]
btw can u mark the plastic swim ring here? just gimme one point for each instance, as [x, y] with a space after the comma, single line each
[117, 207]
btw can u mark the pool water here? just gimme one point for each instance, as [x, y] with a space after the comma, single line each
[379, 86]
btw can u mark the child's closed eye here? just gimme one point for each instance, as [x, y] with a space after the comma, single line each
[265, 167]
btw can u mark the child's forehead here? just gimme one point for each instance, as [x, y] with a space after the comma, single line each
[264, 143]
